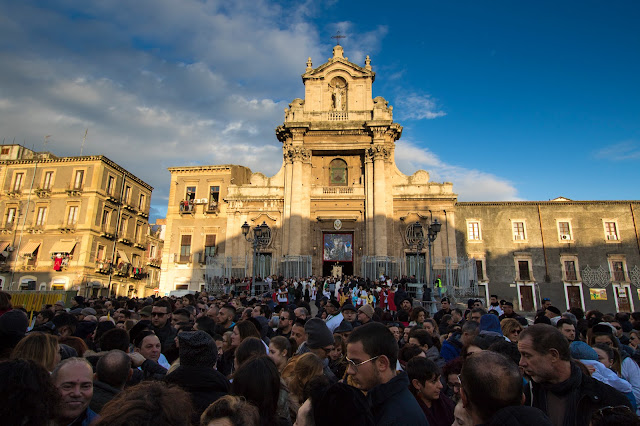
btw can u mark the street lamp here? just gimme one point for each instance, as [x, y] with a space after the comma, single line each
[434, 228]
[260, 239]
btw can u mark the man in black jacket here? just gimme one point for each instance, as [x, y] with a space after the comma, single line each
[196, 373]
[112, 372]
[558, 386]
[372, 354]
[161, 321]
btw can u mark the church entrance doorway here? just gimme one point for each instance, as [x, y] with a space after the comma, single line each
[337, 253]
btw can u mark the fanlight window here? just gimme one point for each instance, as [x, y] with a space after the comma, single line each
[338, 172]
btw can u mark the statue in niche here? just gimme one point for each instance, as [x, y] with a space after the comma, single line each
[338, 93]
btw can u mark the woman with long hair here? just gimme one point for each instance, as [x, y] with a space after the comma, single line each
[258, 381]
[299, 371]
[42, 348]
[280, 351]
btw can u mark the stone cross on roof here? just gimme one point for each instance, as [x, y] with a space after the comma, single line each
[338, 37]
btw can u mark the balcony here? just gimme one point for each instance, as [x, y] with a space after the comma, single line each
[187, 207]
[110, 198]
[155, 262]
[123, 269]
[139, 245]
[354, 191]
[43, 192]
[103, 267]
[142, 214]
[66, 228]
[129, 207]
[14, 193]
[73, 190]
[212, 208]
[139, 273]
[107, 232]
[36, 229]
[124, 240]
[8, 228]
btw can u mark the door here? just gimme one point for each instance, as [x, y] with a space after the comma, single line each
[526, 298]
[574, 296]
[623, 297]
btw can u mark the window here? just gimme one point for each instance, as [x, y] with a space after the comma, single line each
[152, 252]
[5, 151]
[185, 248]
[79, 180]
[209, 246]
[519, 231]
[72, 217]
[570, 270]
[17, 183]
[48, 180]
[611, 231]
[338, 172]
[138, 231]
[104, 222]
[480, 270]
[473, 231]
[127, 193]
[11, 216]
[618, 270]
[100, 253]
[564, 231]
[191, 193]
[111, 183]
[123, 226]
[214, 197]
[141, 202]
[523, 270]
[42, 214]
[135, 260]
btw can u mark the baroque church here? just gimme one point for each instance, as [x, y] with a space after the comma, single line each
[339, 205]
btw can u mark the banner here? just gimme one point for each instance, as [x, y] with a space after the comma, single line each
[598, 293]
[338, 247]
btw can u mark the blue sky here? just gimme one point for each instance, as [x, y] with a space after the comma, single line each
[507, 100]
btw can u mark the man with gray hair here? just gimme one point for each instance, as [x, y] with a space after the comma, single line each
[112, 373]
[73, 378]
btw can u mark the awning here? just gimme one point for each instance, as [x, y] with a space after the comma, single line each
[124, 256]
[4, 245]
[63, 246]
[29, 248]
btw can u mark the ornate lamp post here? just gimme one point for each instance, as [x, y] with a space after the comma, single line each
[260, 239]
[434, 228]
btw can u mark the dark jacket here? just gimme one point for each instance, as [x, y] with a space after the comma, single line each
[442, 312]
[204, 384]
[393, 404]
[520, 415]
[166, 334]
[593, 395]
[451, 348]
[441, 411]
[149, 370]
[399, 296]
[102, 393]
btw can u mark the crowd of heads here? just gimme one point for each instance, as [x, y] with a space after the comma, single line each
[242, 360]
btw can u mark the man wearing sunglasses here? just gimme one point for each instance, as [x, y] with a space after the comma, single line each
[372, 354]
[161, 322]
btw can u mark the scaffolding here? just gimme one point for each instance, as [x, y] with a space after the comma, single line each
[295, 266]
[217, 270]
[458, 275]
[375, 266]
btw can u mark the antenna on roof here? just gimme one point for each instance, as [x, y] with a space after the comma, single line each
[338, 37]
[44, 142]
[84, 139]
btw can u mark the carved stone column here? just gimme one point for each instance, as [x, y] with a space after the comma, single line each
[368, 204]
[379, 154]
[297, 155]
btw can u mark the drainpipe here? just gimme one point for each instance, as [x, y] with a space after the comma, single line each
[635, 226]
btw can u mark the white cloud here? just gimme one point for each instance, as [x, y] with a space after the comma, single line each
[469, 184]
[417, 107]
[622, 151]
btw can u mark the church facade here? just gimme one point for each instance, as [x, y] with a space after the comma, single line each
[339, 204]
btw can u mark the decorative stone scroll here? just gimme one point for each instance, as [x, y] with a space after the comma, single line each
[595, 277]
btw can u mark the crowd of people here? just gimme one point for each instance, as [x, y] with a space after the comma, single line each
[364, 353]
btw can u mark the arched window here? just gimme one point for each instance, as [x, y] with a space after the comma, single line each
[338, 172]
